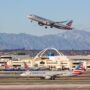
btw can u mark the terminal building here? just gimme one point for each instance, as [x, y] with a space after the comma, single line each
[14, 61]
[49, 58]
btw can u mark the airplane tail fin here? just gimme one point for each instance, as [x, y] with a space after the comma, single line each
[79, 69]
[6, 66]
[69, 24]
[26, 66]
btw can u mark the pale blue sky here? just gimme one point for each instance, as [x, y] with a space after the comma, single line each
[13, 15]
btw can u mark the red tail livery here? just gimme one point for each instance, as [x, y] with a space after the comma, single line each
[79, 69]
[26, 66]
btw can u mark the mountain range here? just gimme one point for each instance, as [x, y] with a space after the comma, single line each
[69, 40]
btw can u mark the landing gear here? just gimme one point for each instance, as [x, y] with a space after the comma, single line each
[48, 77]
[45, 27]
[51, 26]
[52, 77]
[41, 24]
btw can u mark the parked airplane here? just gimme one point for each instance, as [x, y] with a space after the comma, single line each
[26, 67]
[6, 66]
[53, 74]
[11, 68]
[42, 21]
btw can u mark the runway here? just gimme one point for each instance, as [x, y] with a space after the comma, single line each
[27, 83]
[46, 86]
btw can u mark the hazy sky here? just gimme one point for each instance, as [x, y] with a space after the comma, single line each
[13, 15]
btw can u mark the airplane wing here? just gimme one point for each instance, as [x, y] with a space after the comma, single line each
[52, 23]
[61, 22]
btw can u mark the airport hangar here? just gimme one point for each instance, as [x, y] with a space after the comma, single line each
[50, 58]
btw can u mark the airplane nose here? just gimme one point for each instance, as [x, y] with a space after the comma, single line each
[29, 16]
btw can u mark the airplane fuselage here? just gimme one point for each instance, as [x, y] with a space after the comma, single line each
[42, 21]
[46, 74]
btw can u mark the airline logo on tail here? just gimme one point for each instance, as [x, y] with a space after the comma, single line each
[79, 69]
[26, 66]
[69, 24]
[6, 66]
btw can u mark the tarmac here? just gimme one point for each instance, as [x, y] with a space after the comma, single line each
[26, 83]
[44, 86]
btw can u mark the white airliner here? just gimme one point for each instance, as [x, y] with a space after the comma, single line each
[46, 22]
[53, 74]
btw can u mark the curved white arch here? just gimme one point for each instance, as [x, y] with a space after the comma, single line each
[41, 53]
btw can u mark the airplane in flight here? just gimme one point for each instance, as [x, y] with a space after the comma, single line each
[46, 74]
[46, 22]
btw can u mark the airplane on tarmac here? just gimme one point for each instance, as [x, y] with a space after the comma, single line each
[26, 67]
[11, 68]
[6, 66]
[46, 74]
[46, 22]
